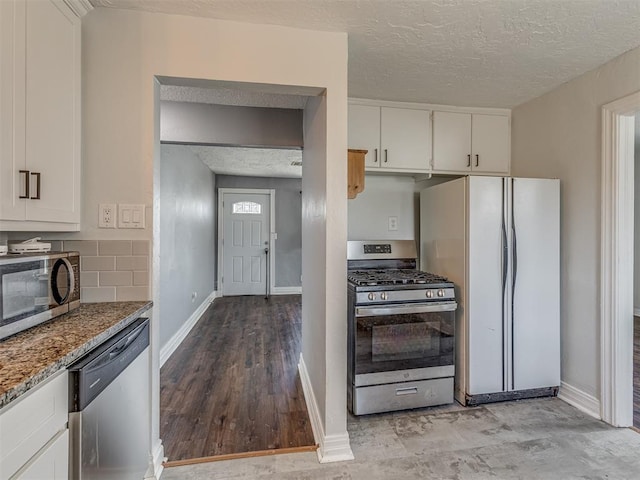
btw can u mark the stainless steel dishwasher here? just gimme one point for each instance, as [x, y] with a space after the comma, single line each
[109, 418]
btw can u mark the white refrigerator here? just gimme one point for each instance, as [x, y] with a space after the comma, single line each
[498, 240]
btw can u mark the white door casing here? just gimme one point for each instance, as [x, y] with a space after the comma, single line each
[245, 221]
[616, 272]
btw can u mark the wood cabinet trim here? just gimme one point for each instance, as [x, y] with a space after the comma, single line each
[355, 172]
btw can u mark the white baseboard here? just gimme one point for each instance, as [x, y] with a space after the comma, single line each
[155, 462]
[174, 342]
[579, 399]
[331, 448]
[636, 312]
[335, 448]
[286, 291]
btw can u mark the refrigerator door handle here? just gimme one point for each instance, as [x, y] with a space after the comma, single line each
[505, 258]
[505, 264]
[514, 278]
[514, 253]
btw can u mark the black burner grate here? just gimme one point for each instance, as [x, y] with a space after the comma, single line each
[393, 277]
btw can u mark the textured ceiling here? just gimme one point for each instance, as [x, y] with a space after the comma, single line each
[497, 53]
[256, 162]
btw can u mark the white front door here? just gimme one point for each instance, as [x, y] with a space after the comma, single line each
[245, 241]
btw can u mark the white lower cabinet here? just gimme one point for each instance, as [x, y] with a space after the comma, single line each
[51, 463]
[34, 439]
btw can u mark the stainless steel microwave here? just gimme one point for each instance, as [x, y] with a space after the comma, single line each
[37, 287]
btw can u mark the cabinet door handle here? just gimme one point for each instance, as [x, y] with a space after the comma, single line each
[477, 160]
[375, 158]
[386, 156]
[37, 175]
[26, 183]
[469, 160]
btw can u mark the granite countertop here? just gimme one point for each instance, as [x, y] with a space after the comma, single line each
[31, 356]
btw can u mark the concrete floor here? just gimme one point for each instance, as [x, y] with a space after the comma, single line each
[528, 439]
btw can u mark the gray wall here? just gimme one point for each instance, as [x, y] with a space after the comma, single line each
[288, 223]
[636, 234]
[184, 122]
[187, 237]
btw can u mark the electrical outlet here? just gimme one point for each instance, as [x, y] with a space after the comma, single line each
[107, 215]
[393, 223]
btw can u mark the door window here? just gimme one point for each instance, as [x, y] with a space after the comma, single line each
[251, 208]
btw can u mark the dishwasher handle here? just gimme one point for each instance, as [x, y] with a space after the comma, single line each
[95, 371]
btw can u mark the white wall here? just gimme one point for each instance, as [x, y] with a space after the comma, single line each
[187, 237]
[324, 195]
[559, 135]
[384, 196]
[123, 52]
[636, 213]
[315, 243]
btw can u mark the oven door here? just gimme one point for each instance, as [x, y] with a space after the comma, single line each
[404, 338]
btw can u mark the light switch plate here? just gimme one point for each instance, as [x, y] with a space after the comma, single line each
[130, 215]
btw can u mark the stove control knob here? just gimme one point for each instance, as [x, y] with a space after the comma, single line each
[383, 296]
[441, 293]
[429, 294]
[372, 296]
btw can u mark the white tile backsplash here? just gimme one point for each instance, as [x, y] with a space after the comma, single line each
[115, 279]
[89, 279]
[112, 270]
[140, 247]
[97, 294]
[97, 264]
[138, 263]
[124, 294]
[84, 247]
[115, 247]
[140, 279]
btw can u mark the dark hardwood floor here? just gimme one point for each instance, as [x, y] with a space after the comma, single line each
[636, 372]
[233, 384]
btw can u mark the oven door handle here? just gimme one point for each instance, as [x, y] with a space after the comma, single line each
[406, 309]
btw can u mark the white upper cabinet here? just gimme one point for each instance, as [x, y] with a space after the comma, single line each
[471, 143]
[491, 143]
[452, 141]
[397, 139]
[39, 116]
[364, 132]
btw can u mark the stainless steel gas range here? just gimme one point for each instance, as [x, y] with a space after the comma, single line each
[401, 330]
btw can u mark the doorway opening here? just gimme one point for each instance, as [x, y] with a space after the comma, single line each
[212, 351]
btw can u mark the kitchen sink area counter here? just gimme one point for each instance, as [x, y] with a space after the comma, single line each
[30, 357]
